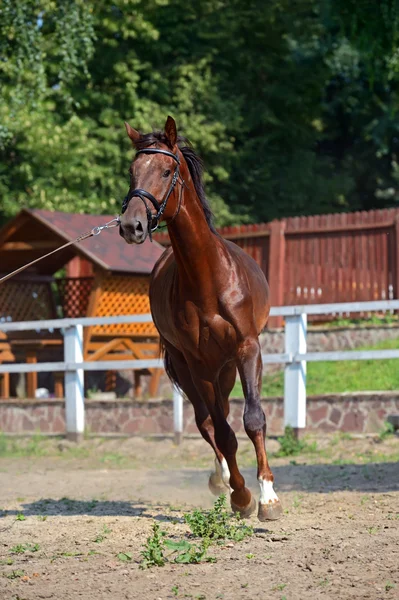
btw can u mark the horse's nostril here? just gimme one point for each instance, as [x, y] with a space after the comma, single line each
[139, 227]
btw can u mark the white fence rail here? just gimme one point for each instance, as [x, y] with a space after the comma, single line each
[294, 358]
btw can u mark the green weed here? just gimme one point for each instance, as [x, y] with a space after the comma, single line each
[217, 523]
[183, 552]
[386, 432]
[153, 551]
[290, 445]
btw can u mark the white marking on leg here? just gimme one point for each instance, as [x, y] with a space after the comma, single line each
[267, 493]
[222, 473]
[225, 474]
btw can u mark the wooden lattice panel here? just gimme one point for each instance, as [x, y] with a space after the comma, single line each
[123, 295]
[74, 294]
[26, 301]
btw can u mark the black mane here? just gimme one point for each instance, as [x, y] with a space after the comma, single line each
[194, 163]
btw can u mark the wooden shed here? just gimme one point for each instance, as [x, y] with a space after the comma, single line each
[101, 276]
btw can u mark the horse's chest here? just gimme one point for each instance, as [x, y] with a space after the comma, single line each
[205, 334]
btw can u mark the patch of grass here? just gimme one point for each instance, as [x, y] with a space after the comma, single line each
[250, 556]
[372, 530]
[42, 517]
[22, 548]
[20, 517]
[15, 574]
[279, 587]
[217, 523]
[16, 447]
[339, 377]
[102, 536]
[389, 586]
[113, 458]
[297, 502]
[125, 556]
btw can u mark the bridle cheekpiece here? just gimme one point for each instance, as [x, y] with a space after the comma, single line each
[153, 220]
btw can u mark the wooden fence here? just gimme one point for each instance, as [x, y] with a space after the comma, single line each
[346, 257]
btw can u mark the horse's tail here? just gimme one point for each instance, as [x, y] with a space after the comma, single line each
[169, 368]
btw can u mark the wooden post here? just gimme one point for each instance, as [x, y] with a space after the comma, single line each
[138, 390]
[154, 382]
[295, 374]
[276, 268]
[110, 381]
[74, 384]
[31, 378]
[59, 385]
[5, 385]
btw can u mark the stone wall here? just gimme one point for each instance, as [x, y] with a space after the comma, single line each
[358, 412]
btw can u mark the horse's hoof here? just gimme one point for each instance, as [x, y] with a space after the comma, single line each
[245, 511]
[216, 485]
[270, 512]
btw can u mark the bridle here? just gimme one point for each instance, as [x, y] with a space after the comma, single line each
[153, 220]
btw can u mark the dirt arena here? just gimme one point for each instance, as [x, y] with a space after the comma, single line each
[67, 512]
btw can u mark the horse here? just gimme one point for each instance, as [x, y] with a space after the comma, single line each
[209, 302]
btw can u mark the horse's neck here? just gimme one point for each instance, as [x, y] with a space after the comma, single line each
[195, 246]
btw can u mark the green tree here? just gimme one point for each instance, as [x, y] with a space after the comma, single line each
[291, 103]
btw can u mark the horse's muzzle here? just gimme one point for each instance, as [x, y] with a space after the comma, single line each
[134, 231]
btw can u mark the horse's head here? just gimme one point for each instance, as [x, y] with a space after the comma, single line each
[153, 176]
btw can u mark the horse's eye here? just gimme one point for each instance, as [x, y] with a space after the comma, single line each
[166, 173]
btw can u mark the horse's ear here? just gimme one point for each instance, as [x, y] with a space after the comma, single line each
[171, 132]
[132, 133]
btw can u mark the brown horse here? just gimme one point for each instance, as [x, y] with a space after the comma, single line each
[209, 301]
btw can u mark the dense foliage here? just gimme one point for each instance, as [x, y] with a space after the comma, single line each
[293, 104]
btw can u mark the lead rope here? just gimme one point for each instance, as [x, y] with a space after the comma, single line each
[84, 236]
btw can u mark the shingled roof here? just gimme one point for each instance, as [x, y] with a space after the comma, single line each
[107, 250]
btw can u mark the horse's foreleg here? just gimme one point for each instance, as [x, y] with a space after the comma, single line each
[219, 479]
[241, 498]
[250, 368]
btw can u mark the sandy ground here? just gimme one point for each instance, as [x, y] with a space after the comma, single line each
[338, 538]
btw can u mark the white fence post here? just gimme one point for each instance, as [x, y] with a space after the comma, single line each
[295, 373]
[178, 414]
[74, 384]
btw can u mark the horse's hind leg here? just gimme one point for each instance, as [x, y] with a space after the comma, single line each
[250, 368]
[219, 479]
